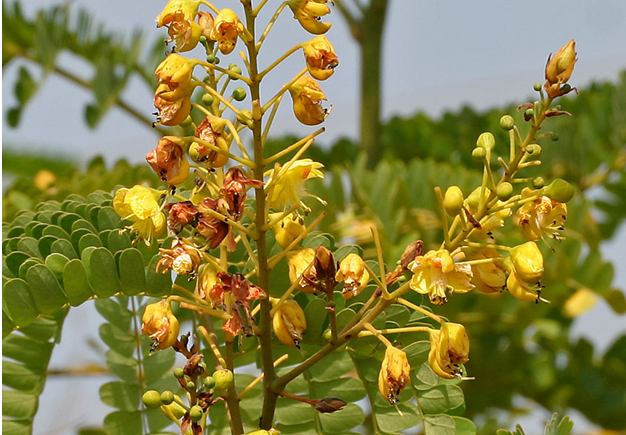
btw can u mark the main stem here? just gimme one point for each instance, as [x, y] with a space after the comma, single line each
[270, 397]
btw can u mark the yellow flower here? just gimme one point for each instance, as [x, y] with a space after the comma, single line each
[395, 373]
[175, 72]
[307, 101]
[449, 348]
[289, 323]
[308, 14]
[354, 275]
[160, 324]
[169, 162]
[320, 56]
[287, 229]
[171, 112]
[140, 205]
[298, 262]
[524, 291]
[226, 30]
[435, 272]
[559, 68]
[178, 16]
[288, 182]
[527, 261]
[542, 216]
[487, 277]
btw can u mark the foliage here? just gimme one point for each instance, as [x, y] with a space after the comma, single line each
[553, 427]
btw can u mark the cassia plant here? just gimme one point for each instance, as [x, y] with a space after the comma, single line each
[254, 281]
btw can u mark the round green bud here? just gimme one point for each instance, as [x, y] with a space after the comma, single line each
[453, 200]
[195, 413]
[537, 183]
[239, 94]
[559, 190]
[211, 58]
[533, 150]
[209, 382]
[554, 137]
[207, 99]
[504, 191]
[235, 69]
[152, 399]
[507, 122]
[479, 154]
[191, 386]
[537, 87]
[179, 373]
[216, 61]
[223, 379]
[328, 334]
[167, 397]
[566, 88]
[529, 113]
[202, 39]
[232, 65]
[486, 141]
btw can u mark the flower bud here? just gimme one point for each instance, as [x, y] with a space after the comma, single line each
[504, 191]
[486, 141]
[537, 183]
[560, 67]
[449, 347]
[289, 323]
[507, 122]
[329, 405]
[533, 150]
[395, 373]
[223, 379]
[173, 411]
[195, 413]
[239, 94]
[167, 397]
[179, 373]
[528, 262]
[453, 199]
[160, 324]
[209, 382]
[479, 154]
[560, 191]
[152, 399]
[353, 273]
[287, 229]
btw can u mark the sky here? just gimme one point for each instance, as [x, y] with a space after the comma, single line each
[437, 56]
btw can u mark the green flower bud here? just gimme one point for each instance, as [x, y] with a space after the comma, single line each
[207, 99]
[560, 191]
[167, 397]
[533, 150]
[486, 141]
[179, 373]
[191, 386]
[202, 39]
[507, 122]
[527, 261]
[209, 382]
[537, 87]
[223, 379]
[554, 137]
[529, 113]
[479, 154]
[152, 399]
[239, 94]
[236, 70]
[211, 58]
[195, 413]
[537, 183]
[328, 334]
[453, 200]
[504, 191]
[216, 61]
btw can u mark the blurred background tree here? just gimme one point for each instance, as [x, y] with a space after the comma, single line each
[518, 350]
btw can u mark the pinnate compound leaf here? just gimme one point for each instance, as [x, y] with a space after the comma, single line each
[45, 289]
